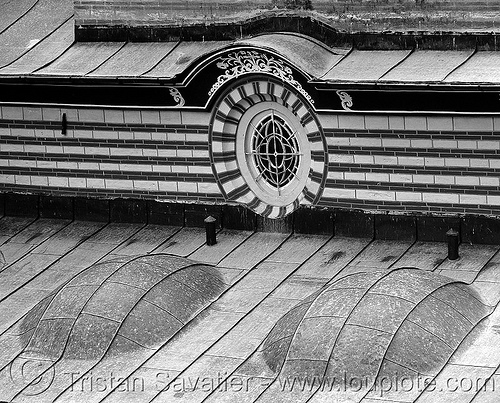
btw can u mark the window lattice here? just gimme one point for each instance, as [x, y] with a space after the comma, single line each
[275, 151]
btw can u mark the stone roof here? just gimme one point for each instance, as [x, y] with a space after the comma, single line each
[260, 324]
[58, 55]
[37, 39]
[396, 15]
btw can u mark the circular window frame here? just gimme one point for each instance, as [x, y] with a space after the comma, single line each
[244, 137]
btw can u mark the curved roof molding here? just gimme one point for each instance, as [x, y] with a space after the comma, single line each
[277, 53]
[404, 14]
[305, 52]
[378, 26]
[57, 56]
[164, 60]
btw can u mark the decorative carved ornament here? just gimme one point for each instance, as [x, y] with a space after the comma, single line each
[345, 100]
[174, 92]
[243, 62]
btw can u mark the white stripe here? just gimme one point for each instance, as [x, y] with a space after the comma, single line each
[110, 167]
[426, 197]
[370, 177]
[114, 184]
[412, 161]
[428, 143]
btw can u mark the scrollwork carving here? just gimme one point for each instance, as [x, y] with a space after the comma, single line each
[242, 62]
[174, 92]
[345, 100]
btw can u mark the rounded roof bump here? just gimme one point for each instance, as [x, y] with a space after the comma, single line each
[119, 305]
[373, 324]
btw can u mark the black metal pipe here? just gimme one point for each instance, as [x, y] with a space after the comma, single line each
[452, 236]
[64, 125]
[210, 230]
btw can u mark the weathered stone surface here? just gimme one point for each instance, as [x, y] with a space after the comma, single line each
[69, 302]
[417, 349]
[465, 301]
[339, 302]
[332, 257]
[491, 270]
[368, 321]
[258, 366]
[315, 338]
[176, 298]
[149, 325]
[97, 274]
[30, 320]
[287, 325]
[139, 274]
[12, 225]
[380, 312]
[86, 313]
[39, 231]
[220, 336]
[307, 369]
[115, 233]
[184, 242]
[298, 287]
[395, 382]
[204, 279]
[253, 250]
[405, 284]
[274, 354]
[90, 337]
[381, 254]
[360, 280]
[49, 338]
[12, 251]
[150, 237]
[298, 248]
[21, 272]
[424, 255]
[163, 261]
[227, 240]
[358, 353]
[11, 346]
[109, 302]
[442, 320]
[69, 237]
